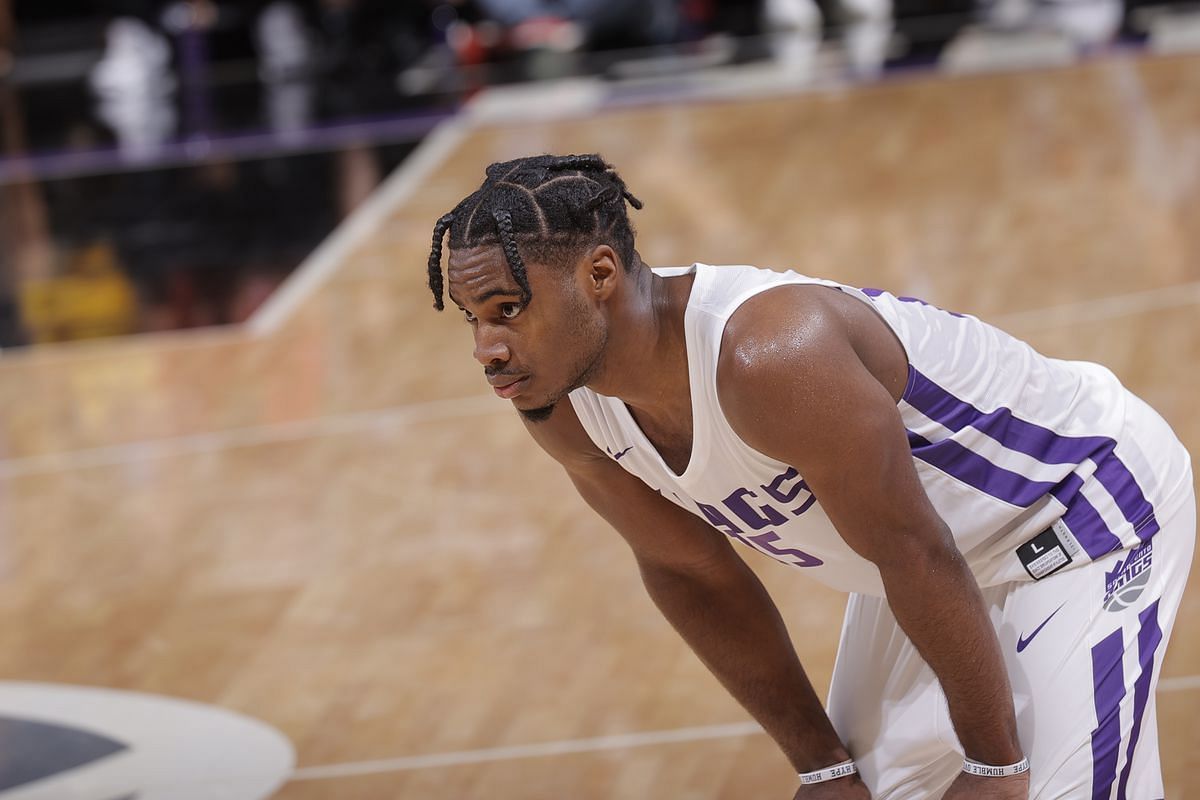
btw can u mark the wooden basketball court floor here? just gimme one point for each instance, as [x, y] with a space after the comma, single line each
[325, 520]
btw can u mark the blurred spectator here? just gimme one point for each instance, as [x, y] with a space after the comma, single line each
[284, 43]
[92, 298]
[6, 39]
[133, 85]
[602, 23]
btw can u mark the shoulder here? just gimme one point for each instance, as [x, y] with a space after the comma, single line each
[779, 334]
[789, 353]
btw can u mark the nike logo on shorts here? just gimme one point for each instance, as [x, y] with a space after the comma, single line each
[1023, 642]
[617, 456]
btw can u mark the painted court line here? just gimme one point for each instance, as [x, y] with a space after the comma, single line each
[457, 408]
[562, 747]
[620, 741]
[167, 447]
[1183, 683]
[1103, 308]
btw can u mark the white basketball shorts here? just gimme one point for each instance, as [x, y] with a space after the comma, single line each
[1083, 648]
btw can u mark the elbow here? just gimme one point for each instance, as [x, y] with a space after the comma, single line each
[919, 555]
[714, 569]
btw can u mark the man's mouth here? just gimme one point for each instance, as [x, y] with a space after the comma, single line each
[507, 386]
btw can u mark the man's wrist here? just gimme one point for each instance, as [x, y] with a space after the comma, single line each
[842, 769]
[1009, 753]
[814, 759]
[993, 741]
[981, 770]
[811, 759]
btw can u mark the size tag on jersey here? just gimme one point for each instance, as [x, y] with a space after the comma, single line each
[1043, 555]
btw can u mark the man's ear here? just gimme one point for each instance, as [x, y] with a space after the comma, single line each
[603, 271]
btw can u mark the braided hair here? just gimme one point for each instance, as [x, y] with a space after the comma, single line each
[554, 206]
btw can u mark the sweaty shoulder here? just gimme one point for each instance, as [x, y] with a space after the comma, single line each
[799, 349]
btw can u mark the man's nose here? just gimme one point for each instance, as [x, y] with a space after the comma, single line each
[490, 347]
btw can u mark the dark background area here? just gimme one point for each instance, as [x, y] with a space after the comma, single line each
[166, 164]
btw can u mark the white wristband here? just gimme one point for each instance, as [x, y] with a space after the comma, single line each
[829, 773]
[987, 771]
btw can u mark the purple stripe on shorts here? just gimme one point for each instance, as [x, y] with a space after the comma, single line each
[1108, 680]
[1149, 638]
[1041, 443]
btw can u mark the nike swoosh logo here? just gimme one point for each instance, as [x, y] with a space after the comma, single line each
[1023, 642]
[617, 456]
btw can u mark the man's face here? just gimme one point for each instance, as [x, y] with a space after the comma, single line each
[532, 354]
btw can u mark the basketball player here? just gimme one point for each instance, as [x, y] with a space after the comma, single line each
[1015, 531]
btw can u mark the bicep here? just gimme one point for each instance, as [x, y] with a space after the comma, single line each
[858, 463]
[812, 403]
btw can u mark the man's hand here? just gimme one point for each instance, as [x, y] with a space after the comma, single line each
[973, 787]
[851, 788]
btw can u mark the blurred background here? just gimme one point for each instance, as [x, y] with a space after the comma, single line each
[264, 530]
[167, 164]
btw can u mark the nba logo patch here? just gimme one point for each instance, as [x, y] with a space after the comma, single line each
[1128, 579]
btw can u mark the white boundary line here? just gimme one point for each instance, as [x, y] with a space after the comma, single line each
[1102, 308]
[361, 224]
[1183, 683]
[166, 447]
[457, 408]
[619, 741]
[561, 747]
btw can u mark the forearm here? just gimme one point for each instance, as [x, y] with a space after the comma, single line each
[729, 620]
[956, 639]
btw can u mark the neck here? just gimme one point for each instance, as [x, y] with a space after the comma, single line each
[645, 362]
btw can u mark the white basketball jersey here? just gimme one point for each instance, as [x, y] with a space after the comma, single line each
[1035, 464]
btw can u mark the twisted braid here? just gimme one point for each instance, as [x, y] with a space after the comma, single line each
[508, 241]
[554, 206]
[594, 163]
[435, 258]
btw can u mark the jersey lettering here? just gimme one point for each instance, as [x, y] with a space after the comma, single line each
[787, 487]
[784, 489]
[765, 542]
[748, 515]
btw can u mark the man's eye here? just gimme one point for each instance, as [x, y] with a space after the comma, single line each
[510, 310]
[470, 317]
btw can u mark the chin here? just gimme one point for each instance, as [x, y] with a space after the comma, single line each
[540, 414]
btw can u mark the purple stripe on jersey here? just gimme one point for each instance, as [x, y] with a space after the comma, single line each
[1083, 520]
[906, 299]
[974, 470]
[1016, 434]
[1149, 638]
[1116, 478]
[1041, 443]
[1108, 680]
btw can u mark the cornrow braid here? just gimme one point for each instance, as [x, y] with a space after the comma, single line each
[435, 259]
[508, 241]
[548, 209]
[594, 163]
